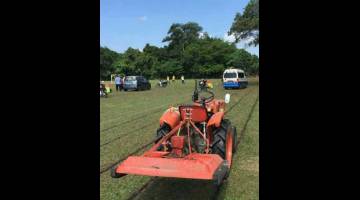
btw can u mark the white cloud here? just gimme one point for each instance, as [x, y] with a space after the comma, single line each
[202, 35]
[142, 18]
[243, 44]
[229, 38]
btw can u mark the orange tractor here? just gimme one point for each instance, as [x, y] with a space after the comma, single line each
[193, 142]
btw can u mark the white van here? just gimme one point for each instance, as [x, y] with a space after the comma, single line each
[234, 78]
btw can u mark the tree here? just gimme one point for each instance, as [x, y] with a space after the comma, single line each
[244, 60]
[181, 35]
[107, 59]
[246, 26]
[144, 65]
[207, 57]
[169, 68]
[254, 68]
[240, 59]
[190, 52]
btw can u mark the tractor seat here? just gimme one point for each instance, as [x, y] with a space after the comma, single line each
[198, 113]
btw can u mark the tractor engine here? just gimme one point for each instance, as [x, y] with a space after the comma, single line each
[197, 143]
[186, 138]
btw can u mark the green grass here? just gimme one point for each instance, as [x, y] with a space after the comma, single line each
[134, 117]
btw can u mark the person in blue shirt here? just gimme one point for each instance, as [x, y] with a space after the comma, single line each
[118, 83]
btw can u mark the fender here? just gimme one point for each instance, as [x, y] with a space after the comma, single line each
[170, 117]
[215, 119]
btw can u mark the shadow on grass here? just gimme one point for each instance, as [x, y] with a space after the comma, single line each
[171, 188]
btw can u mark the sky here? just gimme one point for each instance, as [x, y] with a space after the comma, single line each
[133, 23]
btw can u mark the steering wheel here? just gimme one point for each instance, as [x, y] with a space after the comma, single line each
[206, 99]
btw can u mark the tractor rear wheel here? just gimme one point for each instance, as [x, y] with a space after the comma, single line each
[219, 143]
[224, 146]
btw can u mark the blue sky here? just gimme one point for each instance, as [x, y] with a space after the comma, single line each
[133, 23]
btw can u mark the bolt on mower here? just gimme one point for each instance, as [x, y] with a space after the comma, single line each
[193, 142]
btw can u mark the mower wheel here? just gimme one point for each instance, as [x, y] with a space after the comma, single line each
[113, 173]
[221, 174]
[219, 144]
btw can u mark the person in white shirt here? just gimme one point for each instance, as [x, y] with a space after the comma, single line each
[118, 83]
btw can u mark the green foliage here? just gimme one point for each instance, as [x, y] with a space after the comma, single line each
[208, 54]
[246, 26]
[107, 60]
[188, 53]
[243, 60]
[181, 35]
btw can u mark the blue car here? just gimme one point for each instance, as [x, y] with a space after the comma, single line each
[136, 83]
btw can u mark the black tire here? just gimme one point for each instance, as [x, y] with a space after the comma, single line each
[113, 173]
[125, 90]
[162, 131]
[221, 176]
[219, 144]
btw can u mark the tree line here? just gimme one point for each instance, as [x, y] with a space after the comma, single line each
[189, 52]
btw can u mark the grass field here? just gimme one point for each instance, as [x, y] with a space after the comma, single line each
[128, 120]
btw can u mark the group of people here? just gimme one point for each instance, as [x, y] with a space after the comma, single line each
[119, 83]
[104, 90]
[173, 79]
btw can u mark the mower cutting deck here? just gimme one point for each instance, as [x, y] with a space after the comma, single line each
[194, 142]
[194, 166]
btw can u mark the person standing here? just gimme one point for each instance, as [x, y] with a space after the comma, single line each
[168, 79]
[122, 80]
[182, 79]
[117, 82]
[173, 78]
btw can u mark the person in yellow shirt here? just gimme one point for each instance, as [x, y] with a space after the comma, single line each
[210, 85]
[168, 79]
[173, 78]
[108, 88]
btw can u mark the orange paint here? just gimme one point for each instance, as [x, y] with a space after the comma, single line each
[192, 166]
[215, 119]
[170, 117]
